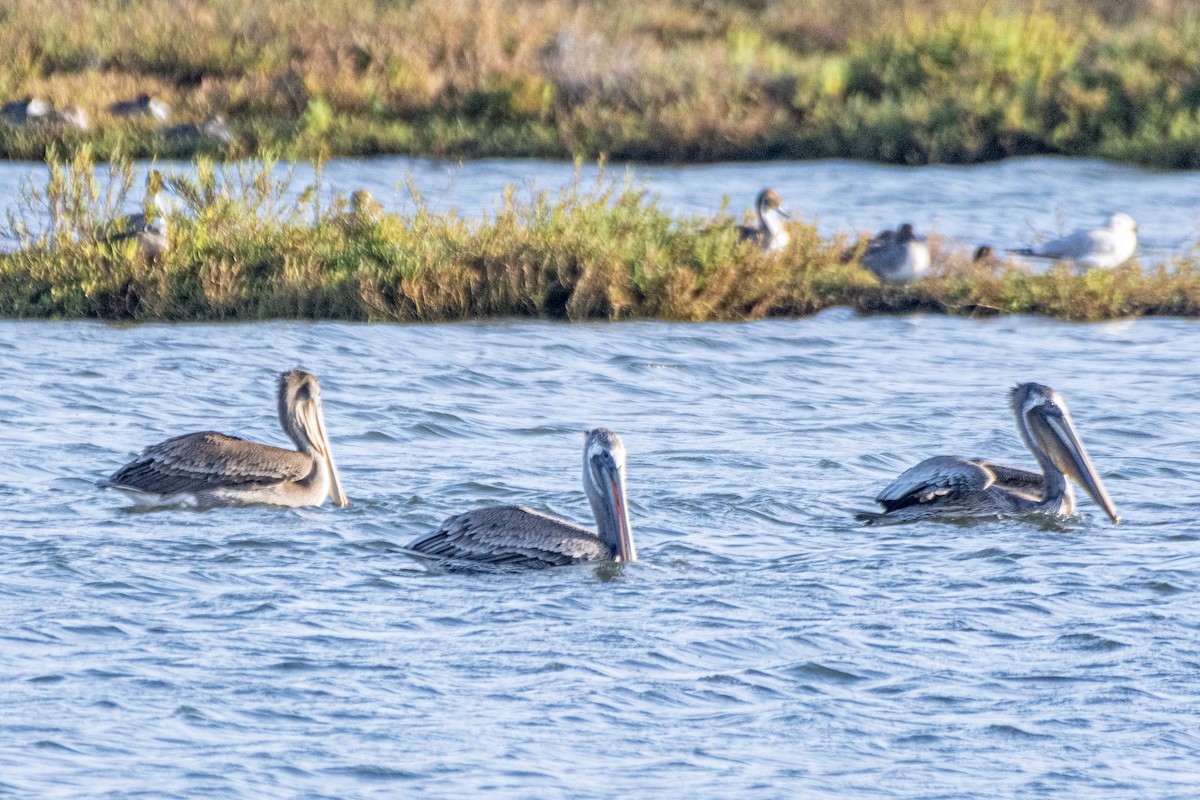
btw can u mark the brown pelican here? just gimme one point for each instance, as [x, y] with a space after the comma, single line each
[1104, 247]
[897, 255]
[521, 537]
[211, 469]
[769, 234]
[950, 486]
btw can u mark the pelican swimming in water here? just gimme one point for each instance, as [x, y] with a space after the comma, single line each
[1104, 247]
[769, 234]
[950, 486]
[211, 469]
[521, 537]
[897, 255]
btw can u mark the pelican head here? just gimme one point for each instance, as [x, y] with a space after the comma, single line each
[1122, 222]
[769, 201]
[301, 416]
[906, 233]
[1050, 434]
[604, 481]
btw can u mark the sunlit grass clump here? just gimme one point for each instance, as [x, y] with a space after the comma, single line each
[908, 81]
[241, 251]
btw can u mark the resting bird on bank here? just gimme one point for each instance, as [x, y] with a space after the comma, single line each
[213, 131]
[211, 469]
[951, 486]
[1104, 247]
[153, 237]
[769, 234]
[897, 255]
[25, 111]
[142, 106]
[513, 536]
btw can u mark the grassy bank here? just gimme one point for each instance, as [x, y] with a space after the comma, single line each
[897, 80]
[239, 251]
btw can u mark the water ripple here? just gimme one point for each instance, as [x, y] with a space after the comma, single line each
[767, 645]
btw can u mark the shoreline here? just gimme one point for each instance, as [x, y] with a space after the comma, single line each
[599, 251]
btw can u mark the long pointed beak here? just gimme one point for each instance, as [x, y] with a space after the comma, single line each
[335, 482]
[614, 480]
[1079, 465]
[783, 213]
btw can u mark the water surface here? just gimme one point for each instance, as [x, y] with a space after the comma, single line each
[766, 645]
[1008, 204]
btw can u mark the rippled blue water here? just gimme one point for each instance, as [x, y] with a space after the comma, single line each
[1009, 204]
[765, 646]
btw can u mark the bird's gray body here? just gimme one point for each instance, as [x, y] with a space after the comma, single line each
[512, 536]
[26, 111]
[142, 106]
[1101, 248]
[214, 130]
[212, 469]
[897, 256]
[152, 239]
[951, 486]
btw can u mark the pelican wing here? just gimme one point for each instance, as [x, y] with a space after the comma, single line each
[1015, 479]
[511, 535]
[942, 479]
[208, 460]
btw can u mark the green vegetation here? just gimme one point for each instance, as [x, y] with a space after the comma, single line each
[239, 251]
[899, 80]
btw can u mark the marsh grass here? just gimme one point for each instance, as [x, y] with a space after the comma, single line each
[899, 80]
[242, 250]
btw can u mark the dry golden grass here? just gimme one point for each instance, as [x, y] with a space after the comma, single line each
[904, 80]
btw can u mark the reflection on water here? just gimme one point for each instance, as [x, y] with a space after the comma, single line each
[765, 646]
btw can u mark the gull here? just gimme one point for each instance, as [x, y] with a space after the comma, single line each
[1109, 246]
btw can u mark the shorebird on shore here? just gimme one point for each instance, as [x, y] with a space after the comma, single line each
[70, 117]
[142, 106]
[24, 111]
[1108, 246]
[214, 130]
[897, 255]
[514, 536]
[152, 233]
[769, 234]
[954, 487]
[211, 469]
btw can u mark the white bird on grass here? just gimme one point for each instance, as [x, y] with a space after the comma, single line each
[1106, 247]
